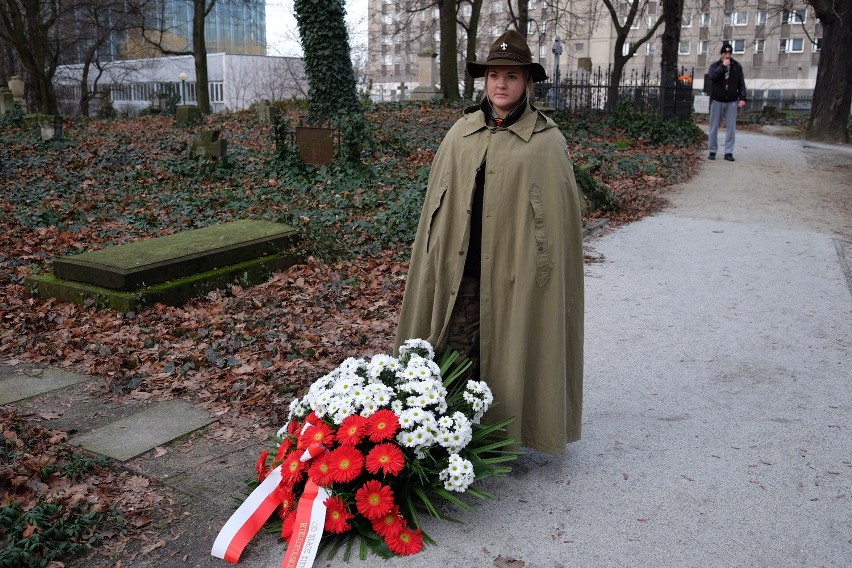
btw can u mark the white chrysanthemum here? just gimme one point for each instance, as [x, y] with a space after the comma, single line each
[407, 439]
[380, 363]
[352, 364]
[370, 407]
[445, 422]
[397, 406]
[458, 475]
[423, 436]
[411, 344]
[406, 421]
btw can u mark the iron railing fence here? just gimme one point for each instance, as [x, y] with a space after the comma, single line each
[586, 92]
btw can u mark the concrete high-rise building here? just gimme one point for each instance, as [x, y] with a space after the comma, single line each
[778, 47]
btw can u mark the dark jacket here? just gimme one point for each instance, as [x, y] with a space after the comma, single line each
[727, 89]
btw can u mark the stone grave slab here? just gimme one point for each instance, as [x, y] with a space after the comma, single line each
[173, 293]
[147, 262]
[23, 386]
[153, 426]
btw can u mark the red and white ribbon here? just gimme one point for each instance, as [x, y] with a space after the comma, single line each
[259, 506]
[248, 519]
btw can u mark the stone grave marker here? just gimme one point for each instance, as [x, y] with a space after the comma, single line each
[170, 269]
[210, 143]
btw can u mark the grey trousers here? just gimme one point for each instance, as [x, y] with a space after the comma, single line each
[717, 110]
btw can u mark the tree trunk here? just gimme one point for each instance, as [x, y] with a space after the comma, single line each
[832, 94]
[199, 54]
[672, 14]
[473, 28]
[615, 81]
[449, 51]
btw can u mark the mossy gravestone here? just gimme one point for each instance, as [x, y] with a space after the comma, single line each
[170, 269]
[210, 144]
[187, 115]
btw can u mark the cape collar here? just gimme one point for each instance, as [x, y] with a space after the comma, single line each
[523, 127]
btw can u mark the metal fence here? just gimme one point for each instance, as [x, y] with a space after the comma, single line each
[585, 92]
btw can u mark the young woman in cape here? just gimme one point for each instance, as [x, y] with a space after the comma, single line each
[496, 269]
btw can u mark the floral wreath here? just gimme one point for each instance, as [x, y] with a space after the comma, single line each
[369, 447]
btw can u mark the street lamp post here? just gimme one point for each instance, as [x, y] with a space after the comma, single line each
[557, 51]
[183, 78]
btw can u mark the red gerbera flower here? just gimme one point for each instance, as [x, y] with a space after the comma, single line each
[311, 418]
[260, 466]
[283, 448]
[293, 427]
[319, 433]
[293, 468]
[406, 542]
[320, 470]
[382, 425]
[374, 499]
[352, 430]
[337, 515]
[387, 457]
[288, 501]
[346, 463]
[287, 525]
[389, 524]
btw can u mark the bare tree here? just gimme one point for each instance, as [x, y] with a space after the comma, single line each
[520, 16]
[624, 50]
[37, 29]
[833, 90]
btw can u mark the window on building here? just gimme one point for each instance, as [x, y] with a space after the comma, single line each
[542, 51]
[816, 45]
[683, 48]
[738, 18]
[387, 59]
[704, 20]
[759, 45]
[649, 49]
[739, 45]
[625, 49]
[633, 26]
[703, 46]
[791, 45]
[793, 16]
[579, 46]
[686, 20]
[761, 17]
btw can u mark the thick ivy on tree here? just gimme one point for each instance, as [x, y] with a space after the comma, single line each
[328, 65]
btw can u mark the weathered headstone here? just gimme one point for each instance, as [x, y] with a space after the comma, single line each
[402, 90]
[266, 113]
[209, 144]
[187, 115]
[316, 144]
[51, 127]
[426, 89]
[702, 104]
[7, 101]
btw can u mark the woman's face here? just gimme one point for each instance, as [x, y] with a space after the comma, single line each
[505, 87]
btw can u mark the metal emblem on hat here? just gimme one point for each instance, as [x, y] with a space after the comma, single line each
[503, 46]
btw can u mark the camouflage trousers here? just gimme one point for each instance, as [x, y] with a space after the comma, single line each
[464, 323]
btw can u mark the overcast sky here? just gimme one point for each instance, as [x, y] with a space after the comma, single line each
[282, 36]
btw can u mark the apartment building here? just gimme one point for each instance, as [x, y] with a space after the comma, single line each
[777, 46]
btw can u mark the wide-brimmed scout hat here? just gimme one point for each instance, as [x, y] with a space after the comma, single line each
[510, 49]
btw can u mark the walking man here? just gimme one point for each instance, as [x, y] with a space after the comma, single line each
[727, 93]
